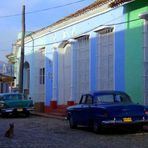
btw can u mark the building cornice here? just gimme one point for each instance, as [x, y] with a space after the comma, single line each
[96, 8]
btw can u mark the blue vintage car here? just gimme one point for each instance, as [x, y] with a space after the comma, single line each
[107, 108]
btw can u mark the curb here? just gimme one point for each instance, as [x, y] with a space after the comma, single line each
[47, 115]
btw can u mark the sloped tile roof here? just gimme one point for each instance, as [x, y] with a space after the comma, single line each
[115, 3]
[96, 4]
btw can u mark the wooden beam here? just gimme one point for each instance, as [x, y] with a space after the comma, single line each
[4, 78]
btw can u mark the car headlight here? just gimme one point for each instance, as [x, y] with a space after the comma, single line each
[146, 111]
[1, 104]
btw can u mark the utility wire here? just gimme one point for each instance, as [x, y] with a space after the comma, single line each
[1, 50]
[55, 7]
[41, 10]
[115, 24]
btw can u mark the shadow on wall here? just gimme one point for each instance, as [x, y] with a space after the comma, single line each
[35, 77]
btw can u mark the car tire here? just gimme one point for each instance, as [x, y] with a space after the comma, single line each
[137, 128]
[4, 115]
[72, 124]
[27, 114]
[95, 127]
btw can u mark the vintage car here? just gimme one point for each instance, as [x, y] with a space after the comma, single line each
[14, 103]
[106, 109]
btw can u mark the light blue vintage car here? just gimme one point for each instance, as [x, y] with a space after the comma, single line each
[14, 103]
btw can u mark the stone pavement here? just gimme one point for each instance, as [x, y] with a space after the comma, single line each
[40, 132]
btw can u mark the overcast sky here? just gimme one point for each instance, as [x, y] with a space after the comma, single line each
[10, 25]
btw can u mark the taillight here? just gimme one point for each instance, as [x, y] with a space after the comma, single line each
[1, 104]
[146, 111]
[105, 113]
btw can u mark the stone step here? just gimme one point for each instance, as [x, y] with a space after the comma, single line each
[60, 110]
[63, 114]
[62, 106]
[47, 115]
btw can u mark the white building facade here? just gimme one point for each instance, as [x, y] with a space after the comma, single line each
[81, 53]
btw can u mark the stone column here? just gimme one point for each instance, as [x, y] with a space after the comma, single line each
[92, 64]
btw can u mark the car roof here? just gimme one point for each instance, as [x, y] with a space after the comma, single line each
[103, 92]
[5, 94]
[108, 92]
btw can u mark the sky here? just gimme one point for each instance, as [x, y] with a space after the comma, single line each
[51, 11]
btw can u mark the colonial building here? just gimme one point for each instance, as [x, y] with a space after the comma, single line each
[6, 77]
[101, 47]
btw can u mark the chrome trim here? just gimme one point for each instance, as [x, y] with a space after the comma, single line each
[121, 122]
[7, 110]
[30, 109]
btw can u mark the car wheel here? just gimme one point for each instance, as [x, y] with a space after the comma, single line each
[27, 114]
[137, 128]
[95, 127]
[4, 115]
[72, 124]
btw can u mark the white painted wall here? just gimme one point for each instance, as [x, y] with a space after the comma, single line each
[64, 73]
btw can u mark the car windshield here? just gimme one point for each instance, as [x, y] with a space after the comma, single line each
[112, 98]
[11, 97]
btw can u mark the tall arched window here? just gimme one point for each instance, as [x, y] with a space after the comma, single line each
[105, 59]
[26, 75]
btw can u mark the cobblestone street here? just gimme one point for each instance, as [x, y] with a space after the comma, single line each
[40, 132]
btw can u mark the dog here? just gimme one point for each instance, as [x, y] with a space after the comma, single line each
[10, 132]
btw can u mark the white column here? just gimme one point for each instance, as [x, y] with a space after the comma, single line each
[92, 64]
[55, 75]
[73, 69]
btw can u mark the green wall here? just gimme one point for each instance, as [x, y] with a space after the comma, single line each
[134, 50]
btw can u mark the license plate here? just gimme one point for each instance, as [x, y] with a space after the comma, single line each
[127, 119]
[19, 109]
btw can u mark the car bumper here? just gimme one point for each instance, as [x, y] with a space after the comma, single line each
[7, 110]
[12, 110]
[120, 122]
[30, 109]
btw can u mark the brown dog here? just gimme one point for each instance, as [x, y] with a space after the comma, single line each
[10, 132]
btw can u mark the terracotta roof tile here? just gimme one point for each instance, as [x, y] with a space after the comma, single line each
[82, 11]
[96, 4]
[115, 3]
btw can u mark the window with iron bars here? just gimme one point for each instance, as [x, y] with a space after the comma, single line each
[82, 64]
[105, 59]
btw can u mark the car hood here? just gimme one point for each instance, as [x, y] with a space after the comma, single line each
[18, 103]
[124, 109]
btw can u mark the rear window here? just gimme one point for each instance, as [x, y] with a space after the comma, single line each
[104, 98]
[111, 98]
[11, 97]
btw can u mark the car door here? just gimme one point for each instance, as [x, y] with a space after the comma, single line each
[85, 110]
[78, 111]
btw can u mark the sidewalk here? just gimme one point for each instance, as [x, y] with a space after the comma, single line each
[47, 115]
